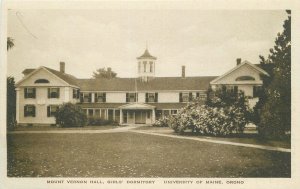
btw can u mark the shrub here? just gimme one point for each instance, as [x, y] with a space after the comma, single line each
[100, 122]
[162, 122]
[70, 115]
[206, 120]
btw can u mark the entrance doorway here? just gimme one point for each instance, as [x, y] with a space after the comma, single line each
[140, 117]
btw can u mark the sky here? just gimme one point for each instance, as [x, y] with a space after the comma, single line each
[207, 42]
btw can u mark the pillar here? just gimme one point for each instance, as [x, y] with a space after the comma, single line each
[153, 116]
[121, 116]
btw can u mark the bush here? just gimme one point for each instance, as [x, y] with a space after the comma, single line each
[206, 120]
[100, 122]
[162, 122]
[70, 115]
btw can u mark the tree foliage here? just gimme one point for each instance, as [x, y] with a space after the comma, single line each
[10, 43]
[11, 103]
[273, 112]
[70, 115]
[104, 73]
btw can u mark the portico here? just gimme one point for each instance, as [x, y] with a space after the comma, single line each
[137, 113]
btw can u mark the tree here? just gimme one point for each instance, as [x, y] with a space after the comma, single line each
[104, 73]
[70, 115]
[10, 43]
[274, 107]
[11, 103]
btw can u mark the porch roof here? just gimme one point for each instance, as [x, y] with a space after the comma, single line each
[137, 106]
[158, 106]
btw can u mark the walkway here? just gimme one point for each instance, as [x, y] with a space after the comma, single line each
[92, 131]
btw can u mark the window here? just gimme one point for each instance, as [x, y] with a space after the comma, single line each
[148, 115]
[90, 112]
[145, 64]
[97, 112]
[41, 81]
[166, 113]
[29, 111]
[173, 112]
[100, 97]
[151, 67]
[131, 97]
[86, 97]
[29, 93]
[51, 110]
[232, 89]
[151, 97]
[202, 96]
[53, 92]
[257, 91]
[76, 93]
[103, 113]
[245, 78]
[185, 97]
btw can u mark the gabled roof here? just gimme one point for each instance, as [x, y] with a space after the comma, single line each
[147, 55]
[27, 71]
[156, 84]
[69, 79]
[237, 67]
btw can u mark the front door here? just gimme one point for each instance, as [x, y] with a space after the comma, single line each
[140, 117]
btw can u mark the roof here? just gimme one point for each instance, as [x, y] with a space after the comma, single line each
[27, 71]
[157, 83]
[237, 67]
[72, 80]
[147, 55]
[158, 106]
[267, 67]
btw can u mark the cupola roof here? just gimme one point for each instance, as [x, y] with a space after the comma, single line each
[147, 55]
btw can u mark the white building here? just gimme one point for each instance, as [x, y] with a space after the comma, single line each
[139, 100]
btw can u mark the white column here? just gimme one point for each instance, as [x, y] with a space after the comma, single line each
[121, 116]
[153, 116]
[93, 97]
[17, 105]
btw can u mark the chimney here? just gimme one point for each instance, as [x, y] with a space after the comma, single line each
[238, 61]
[62, 67]
[183, 71]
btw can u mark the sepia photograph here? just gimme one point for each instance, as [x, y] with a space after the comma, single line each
[148, 93]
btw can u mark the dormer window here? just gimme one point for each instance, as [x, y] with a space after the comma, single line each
[41, 81]
[245, 78]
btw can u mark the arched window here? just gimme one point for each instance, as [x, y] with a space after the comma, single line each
[245, 78]
[41, 81]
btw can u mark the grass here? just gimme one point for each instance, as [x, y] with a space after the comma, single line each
[52, 128]
[136, 155]
[247, 138]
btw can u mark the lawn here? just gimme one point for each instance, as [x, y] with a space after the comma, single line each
[136, 155]
[247, 138]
